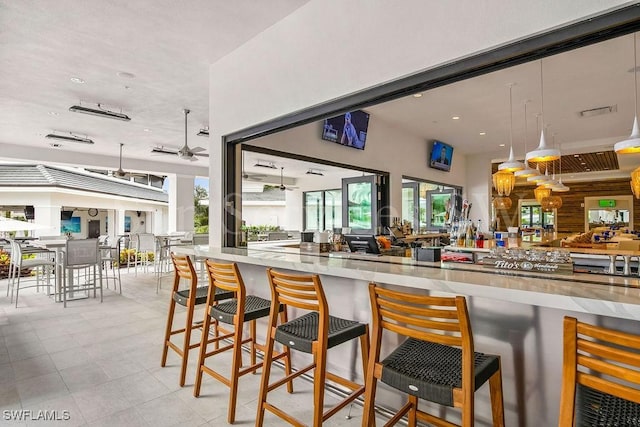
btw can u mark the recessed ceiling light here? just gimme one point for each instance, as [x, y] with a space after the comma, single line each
[125, 75]
[147, 130]
[417, 95]
[77, 80]
[455, 118]
[600, 153]
[588, 170]
[53, 113]
[502, 145]
[583, 163]
[483, 133]
[606, 169]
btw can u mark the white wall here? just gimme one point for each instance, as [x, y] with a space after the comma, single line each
[388, 149]
[329, 48]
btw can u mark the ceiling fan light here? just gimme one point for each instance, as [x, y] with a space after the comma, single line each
[632, 144]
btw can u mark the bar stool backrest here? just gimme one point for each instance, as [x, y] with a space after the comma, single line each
[81, 252]
[146, 242]
[600, 359]
[183, 269]
[226, 277]
[300, 291]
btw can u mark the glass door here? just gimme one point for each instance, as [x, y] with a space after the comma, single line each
[360, 204]
[410, 203]
[313, 211]
[439, 206]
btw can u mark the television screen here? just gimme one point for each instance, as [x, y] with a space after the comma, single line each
[349, 129]
[441, 155]
[29, 212]
[66, 215]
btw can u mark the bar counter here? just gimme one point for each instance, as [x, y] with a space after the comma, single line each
[517, 315]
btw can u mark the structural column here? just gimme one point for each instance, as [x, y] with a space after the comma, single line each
[181, 208]
[48, 216]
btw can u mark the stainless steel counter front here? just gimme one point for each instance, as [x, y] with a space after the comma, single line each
[516, 316]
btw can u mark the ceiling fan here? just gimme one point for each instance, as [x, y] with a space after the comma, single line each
[251, 176]
[185, 152]
[282, 186]
[122, 174]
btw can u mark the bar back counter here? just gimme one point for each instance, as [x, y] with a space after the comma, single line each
[517, 315]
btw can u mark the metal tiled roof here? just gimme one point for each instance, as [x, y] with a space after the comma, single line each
[50, 176]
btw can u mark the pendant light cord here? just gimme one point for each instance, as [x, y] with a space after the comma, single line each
[635, 71]
[541, 98]
[526, 162]
[511, 116]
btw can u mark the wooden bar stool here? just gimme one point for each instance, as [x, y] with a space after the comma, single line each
[436, 362]
[314, 332]
[188, 298]
[236, 311]
[600, 376]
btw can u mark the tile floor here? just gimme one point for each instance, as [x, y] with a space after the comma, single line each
[99, 365]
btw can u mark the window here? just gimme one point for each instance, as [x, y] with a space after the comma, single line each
[322, 210]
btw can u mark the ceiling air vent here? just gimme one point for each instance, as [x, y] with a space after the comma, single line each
[598, 111]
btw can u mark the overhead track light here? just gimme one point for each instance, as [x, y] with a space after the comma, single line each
[315, 172]
[203, 132]
[269, 165]
[70, 138]
[100, 112]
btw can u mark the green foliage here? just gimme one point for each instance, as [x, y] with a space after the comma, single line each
[202, 229]
[200, 212]
[253, 230]
[130, 254]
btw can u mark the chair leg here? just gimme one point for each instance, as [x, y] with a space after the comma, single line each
[167, 334]
[319, 379]
[497, 402]
[412, 416]
[235, 369]
[206, 326]
[17, 286]
[368, 414]
[266, 371]
[187, 343]
[287, 357]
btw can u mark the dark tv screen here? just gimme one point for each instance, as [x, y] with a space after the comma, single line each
[349, 129]
[66, 215]
[441, 156]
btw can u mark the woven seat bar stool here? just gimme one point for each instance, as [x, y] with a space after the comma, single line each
[188, 298]
[436, 362]
[600, 376]
[236, 311]
[314, 332]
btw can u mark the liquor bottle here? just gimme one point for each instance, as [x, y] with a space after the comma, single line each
[470, 243]
[462, 234]
[479, 235]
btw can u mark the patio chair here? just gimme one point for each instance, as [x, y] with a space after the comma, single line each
[18, 265]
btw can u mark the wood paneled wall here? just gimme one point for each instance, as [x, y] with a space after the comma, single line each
[571, 214]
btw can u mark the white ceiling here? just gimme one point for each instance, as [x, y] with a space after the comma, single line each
[168, 46]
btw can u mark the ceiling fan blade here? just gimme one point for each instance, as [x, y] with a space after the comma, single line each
[197, 149]
[162, 150]
[200, 154]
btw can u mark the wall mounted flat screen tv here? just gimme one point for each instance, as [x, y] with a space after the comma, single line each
[349, 129]
[441, 156]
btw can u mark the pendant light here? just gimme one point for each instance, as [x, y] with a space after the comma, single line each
[502, 203]
[541, 192]
[632, 144]
[542, 153]
[552, 182]
[560, 187]
[635, 182]
[503, 182]
[528, 171]
[512, 164]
